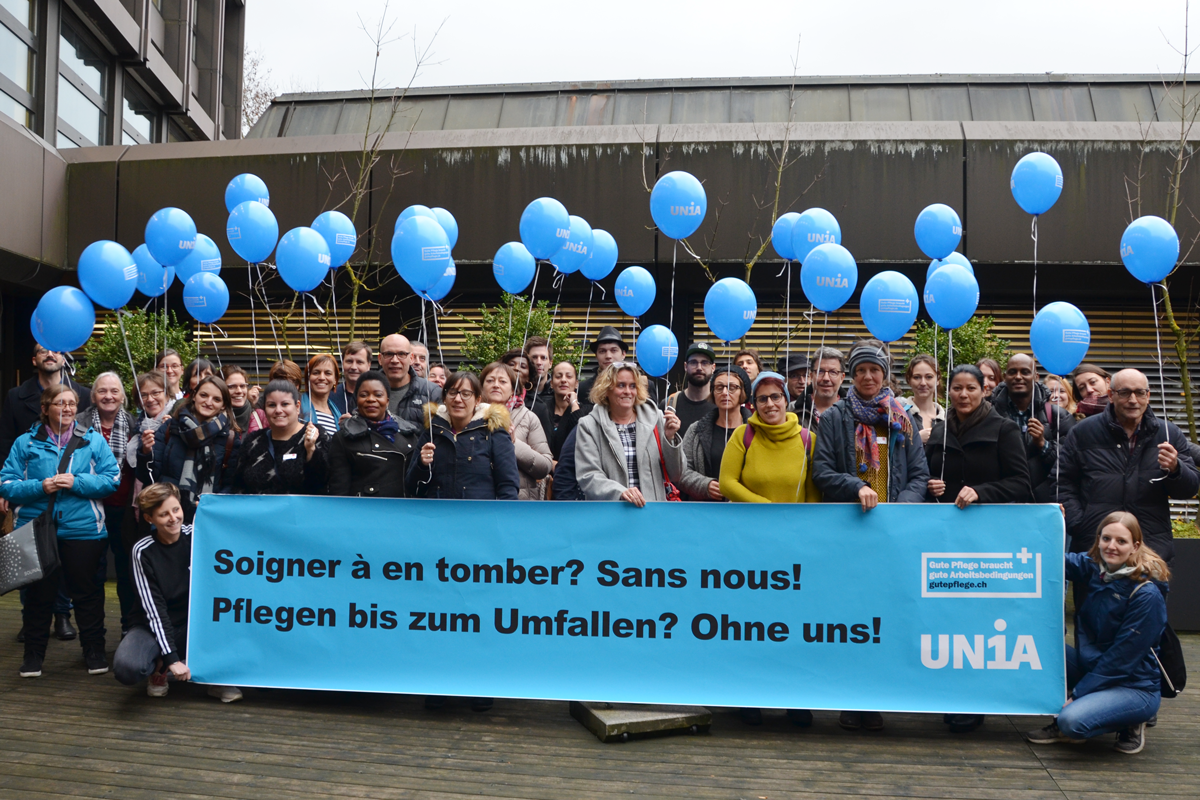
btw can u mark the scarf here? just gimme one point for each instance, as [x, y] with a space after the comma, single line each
[204, 446]
[118, 439]
[386, 427]
[516, 400]
[959, 425]
[1091, 406]
[882, 409]
[1109, 575]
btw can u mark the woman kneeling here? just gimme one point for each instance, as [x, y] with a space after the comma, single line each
[156, 643]
[1114, 674]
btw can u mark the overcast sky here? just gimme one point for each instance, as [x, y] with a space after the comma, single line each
[318, 45]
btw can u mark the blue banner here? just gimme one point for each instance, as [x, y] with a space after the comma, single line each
[905, 608]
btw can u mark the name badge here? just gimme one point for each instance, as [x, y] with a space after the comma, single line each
[880, 440]
[289, 456]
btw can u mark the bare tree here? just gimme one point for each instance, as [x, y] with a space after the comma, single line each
[257, 89]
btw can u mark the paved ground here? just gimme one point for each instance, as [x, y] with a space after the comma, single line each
[71, 735]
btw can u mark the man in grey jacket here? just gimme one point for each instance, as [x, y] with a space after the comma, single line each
[410, 392]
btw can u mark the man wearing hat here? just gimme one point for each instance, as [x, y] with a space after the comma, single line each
[795, 367]
[695, 401]
[609, 348]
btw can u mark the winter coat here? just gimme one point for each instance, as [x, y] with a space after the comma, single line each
[420, 393]
[534, 461]
[1116, 628]
[1042, 460]
[258, 472]
[478, 463]
[696, 443]
[600, 458]
[565, 485]
[835, 465]
[166, 459]
[364, 463]
[989, 457]
[1100, 473]
[78, 511]
[542, 405]
[23, 408]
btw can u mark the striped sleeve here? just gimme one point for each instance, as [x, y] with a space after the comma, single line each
[152, 602]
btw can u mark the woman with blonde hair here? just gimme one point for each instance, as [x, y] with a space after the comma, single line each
[1113, 672]
[1060, 393]
[534, 460]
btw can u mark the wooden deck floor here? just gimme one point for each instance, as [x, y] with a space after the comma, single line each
[71, 735]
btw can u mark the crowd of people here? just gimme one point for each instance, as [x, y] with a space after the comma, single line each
[830, 427]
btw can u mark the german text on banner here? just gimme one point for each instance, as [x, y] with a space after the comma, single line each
[904, 608]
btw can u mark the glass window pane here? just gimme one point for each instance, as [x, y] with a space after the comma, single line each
[64, 143]
[139, 113]
[14, 59]
[84, 61]
[127, 139]
[14, 109]
[21, 9]
[79, 112]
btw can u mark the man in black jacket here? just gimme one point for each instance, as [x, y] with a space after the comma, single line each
[1125, 459]
[410, 392]
[1044, 425]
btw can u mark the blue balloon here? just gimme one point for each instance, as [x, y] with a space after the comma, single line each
[576, 248]
[444, 284]
[545, 224]
[513, 267]
[1150, 248]
[815, 227]
[1060, 336]
[338, 232]
[951, 296]
[828, 276]
[781, 235]
[938, 230]
[678, 204]
[206, 297]
[1036, 183]
[205, 257]
[107, 273]
[415, 211]
[635, 291]
[657, 349]
[729, 308]
[170, 236]
[449, 224]
[603, 258]
[953, 258]
[302, 259]
[63, 320]
[889, 305]
[252, 231]
[153, 278]
[246, 186]
[421, 252]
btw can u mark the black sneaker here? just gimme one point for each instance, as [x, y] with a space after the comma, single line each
[97, 664]
[1131, 740]
[850, 720]
[1050, 735]
[1150, 723]
[31, 667]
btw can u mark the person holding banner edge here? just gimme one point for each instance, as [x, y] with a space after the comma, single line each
[1113, 672]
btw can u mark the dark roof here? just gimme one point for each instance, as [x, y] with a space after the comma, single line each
[891, 98]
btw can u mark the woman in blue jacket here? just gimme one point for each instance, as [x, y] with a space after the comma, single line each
[30, 478]
[1113, 672]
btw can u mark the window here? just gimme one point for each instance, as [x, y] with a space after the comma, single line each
[83, 88]
[17, 48]
[139, 115]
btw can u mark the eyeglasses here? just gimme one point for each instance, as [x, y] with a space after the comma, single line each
[1124, 394]
[161, 393]
[727, 389]
[65, 404]
[392, 356]
[696, 363]
[465, 394]
[768, 398]
[829, 373]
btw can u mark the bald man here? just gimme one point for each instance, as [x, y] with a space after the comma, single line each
[1125, 459]
[1026, 401]
[410, 392]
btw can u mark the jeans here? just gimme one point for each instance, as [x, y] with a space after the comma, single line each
[1105, 711]
[138, 653]
[79, 558]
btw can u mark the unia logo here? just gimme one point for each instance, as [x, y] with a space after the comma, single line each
[970, 648]
[576, 247]
[187, 245]
[690, 210]
[562, 233]
[749, 313]
[956, 229]
[834, 282]
[1126, 250]
[624, 291]
[821, 238]
[323, 259]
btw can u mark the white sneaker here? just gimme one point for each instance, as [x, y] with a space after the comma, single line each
[157, 686]
[226, 694]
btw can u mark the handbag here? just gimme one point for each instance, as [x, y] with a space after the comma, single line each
[671, 489]
[30, 553]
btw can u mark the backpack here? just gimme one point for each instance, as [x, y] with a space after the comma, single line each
[1170, 659]
[748, 437]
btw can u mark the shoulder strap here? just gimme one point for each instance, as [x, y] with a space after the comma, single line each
[63, 463]
[228, 449]
[662, 461]
[748, 435]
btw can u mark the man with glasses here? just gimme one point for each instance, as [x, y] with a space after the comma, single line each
[695, 401]
[824, 387]
[410, 392]
[1125, 459]
[795, 367]
[1044, 425]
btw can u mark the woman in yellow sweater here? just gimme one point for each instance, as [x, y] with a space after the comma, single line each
[767, 460]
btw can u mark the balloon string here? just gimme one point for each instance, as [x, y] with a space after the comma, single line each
[270, 317]
[424, 330]
[671, 314]
[438, 334]
[213, 341]
[129, 354]
[529, 315]
[1162, 383]
[787, 315]
[337, 328]
[304, 318]
[253, 325]
[1033, 234]
[587, 318]
[559, 280]
[946, 419]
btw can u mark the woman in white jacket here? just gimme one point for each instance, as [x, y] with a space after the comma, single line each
[534, 461]
[624, 447]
